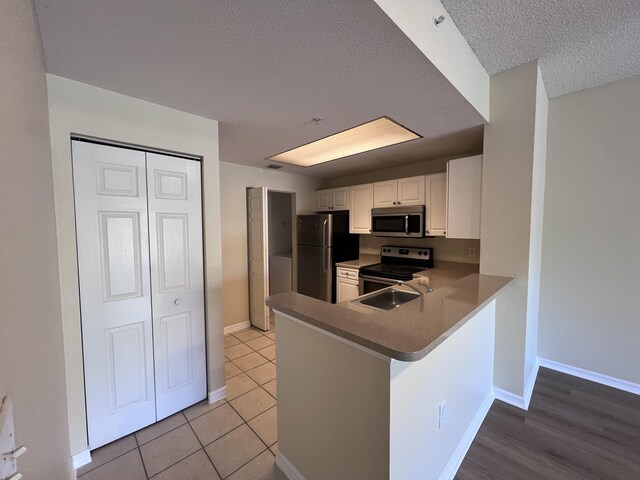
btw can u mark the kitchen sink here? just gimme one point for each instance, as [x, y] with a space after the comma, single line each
[387, 299]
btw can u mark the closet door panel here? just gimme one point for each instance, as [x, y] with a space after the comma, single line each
[177, 284]
[115, 293]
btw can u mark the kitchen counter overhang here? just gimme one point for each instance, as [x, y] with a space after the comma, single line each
[406, 333]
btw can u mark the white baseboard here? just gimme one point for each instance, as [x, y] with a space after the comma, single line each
[519, 401]
[592, 376]
[236, 327]
[218, 394]
[463, 446]
[531, 382]
[287, 467]
[81, 459]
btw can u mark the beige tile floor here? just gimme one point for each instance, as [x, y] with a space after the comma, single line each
[235, 438]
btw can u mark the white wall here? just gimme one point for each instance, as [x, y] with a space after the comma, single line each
[446, 48]
[589, 306]
[31, 351]
[234, 180]
[420, 447]
[82, 109]
[511, 207]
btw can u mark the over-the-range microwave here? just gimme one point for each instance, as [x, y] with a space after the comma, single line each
[398, 221]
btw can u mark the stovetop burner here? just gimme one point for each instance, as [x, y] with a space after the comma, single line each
[400, 263]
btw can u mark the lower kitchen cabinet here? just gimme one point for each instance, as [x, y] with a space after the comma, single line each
[347, 284]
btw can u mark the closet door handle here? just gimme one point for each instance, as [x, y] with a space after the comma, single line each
[177, 301]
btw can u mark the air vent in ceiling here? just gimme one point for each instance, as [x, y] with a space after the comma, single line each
[273, 166]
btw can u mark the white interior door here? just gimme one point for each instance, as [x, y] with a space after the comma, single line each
[258, 257]
[115, 297]
[177, 283]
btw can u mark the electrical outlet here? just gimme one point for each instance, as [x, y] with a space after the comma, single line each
[472, 251]
[442, 413]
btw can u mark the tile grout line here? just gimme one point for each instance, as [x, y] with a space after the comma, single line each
[202, 448]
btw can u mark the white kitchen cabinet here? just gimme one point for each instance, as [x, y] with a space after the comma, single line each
[332, 199]
[404, 191]
[464, 190]
[361, 203]
[347, 284]
[435, 194]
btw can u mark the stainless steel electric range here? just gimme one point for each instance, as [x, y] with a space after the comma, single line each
[397, 264]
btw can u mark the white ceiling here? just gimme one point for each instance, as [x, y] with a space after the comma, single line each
[579, 43]
[264, 69]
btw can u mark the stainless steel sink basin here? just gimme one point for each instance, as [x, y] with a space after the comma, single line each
[387, 299]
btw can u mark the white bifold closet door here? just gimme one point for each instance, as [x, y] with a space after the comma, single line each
[139, 234]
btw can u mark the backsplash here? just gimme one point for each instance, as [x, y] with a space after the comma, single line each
[444, 249]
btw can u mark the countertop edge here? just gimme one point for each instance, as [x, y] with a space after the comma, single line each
[404, 356]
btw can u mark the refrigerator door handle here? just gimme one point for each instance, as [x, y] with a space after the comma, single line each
[324, 233]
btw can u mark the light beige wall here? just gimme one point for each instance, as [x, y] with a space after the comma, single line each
[320, 378]
[31, 352]
[510, 168]
[421, 168]
[83, 109]
[234, 180]
[589, 307]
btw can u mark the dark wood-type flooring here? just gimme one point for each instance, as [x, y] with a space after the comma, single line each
[574, 429]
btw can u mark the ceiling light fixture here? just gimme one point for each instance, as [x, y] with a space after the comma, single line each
[379, 133]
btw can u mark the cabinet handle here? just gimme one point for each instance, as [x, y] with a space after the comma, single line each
[394, 203]
[398, 203]
[427, 231]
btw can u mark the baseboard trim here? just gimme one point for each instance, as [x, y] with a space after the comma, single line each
[463, 446]
[520, 401]
[531, 382]
[591, 376]
[287, 467]
[236, 327]
[81, 459]
[218, 394]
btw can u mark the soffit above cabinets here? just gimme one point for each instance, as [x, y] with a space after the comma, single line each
[264, 70]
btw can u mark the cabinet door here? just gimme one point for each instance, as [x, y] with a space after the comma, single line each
[340, 198]
[177, 282]
[110, 189]
[436, 204]
[411, 191]
[385, 194]
[324, 200]
[360, 210]
[464, 185]
[347, 290]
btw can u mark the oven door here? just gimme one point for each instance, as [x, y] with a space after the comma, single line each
[394, 222]
[369, 284]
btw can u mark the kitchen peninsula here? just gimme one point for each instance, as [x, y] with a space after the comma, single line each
[365, 394]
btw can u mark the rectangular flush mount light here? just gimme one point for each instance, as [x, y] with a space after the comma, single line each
[382, 132]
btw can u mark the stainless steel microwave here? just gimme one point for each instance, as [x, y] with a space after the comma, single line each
[398, 221]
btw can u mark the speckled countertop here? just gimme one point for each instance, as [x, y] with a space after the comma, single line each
[410, 331]
[364, 260]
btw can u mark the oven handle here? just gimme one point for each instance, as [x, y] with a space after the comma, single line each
[385, 281]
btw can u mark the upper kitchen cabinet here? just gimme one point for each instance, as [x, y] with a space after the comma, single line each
[333, 199]
[435, 194]
[405, 191]
[464, 190]
[360, 208]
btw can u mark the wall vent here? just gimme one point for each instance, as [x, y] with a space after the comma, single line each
[273, 166]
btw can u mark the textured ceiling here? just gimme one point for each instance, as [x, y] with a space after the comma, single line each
[579, 43]
[264, 69]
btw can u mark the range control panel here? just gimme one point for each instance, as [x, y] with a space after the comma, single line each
[413, 253]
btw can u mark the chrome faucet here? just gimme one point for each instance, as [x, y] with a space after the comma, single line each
[413, 287]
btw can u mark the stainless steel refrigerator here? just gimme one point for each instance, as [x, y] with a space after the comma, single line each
[323, 239]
